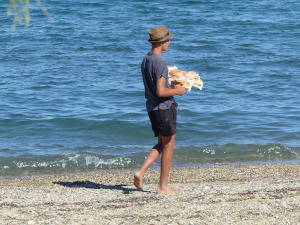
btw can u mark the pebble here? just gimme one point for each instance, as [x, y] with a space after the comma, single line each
[212, 195]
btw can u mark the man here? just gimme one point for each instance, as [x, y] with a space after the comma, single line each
[161, 108]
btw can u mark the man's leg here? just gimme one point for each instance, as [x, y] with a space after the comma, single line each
[152, 156]
[168, 144]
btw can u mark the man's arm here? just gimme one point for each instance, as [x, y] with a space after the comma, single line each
[163, 91]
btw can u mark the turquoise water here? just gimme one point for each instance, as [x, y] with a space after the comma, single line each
[72, 97]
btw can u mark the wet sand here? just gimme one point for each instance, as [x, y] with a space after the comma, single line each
[227, 194]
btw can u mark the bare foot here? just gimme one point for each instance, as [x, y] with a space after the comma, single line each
[168, 190]
[138, 181]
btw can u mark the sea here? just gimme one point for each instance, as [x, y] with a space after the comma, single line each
[72, 96]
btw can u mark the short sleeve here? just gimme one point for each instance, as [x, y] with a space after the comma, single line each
[162, 70]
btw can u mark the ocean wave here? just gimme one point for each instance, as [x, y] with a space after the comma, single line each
[236, 153]
[131, 157]
[63, 163]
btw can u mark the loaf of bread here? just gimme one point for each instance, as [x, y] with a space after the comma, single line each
[183, 78]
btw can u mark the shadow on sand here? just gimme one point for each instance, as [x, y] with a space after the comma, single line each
[92, 185]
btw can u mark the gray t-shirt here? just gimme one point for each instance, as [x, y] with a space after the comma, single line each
[153, 67]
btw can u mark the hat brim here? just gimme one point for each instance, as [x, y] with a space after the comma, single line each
[165, 38]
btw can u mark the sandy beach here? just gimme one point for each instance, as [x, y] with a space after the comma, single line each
[227, 194]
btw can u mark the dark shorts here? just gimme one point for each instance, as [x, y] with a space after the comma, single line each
[164, 121]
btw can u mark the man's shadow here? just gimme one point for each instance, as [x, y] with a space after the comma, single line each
[92, 185]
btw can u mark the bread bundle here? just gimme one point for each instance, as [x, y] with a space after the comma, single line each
[185, 79]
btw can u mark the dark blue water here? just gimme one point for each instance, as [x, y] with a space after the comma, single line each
[72, 97]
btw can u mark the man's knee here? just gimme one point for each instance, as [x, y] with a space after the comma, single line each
[167, 140]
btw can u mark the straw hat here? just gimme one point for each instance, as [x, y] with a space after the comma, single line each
[159, 34]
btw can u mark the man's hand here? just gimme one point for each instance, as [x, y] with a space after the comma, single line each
[163, 91]
[181, 90]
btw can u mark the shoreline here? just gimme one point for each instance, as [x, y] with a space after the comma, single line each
[241, 193]
[184, 166]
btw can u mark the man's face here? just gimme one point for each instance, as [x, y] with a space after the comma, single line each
[165, 45]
